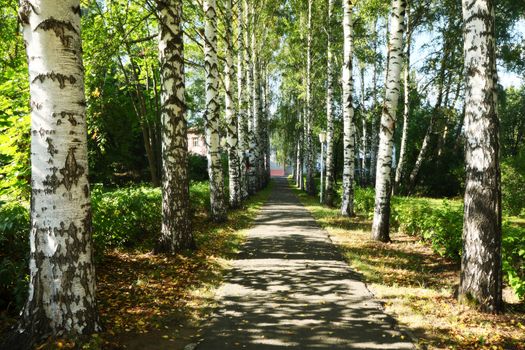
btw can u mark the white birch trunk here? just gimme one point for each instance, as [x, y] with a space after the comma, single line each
[330, 169]
[61, 297]
[364, 132]
[242, 122]
[374, 137]
[176, 227]
[310, 154]
[252, 165]
[347, 206]
[406, 111]
[231, 117]
[481, 275]
[381, 224]
[256, 115]
[211, 119]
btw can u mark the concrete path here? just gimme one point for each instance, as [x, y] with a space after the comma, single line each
[290, 288]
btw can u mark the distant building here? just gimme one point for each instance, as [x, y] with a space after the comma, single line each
[196, 143]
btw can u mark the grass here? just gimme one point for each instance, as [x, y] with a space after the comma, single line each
[418, 286]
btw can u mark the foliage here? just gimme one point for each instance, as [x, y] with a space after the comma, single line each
[128, 217]
[14, 233]
[198, 167]
[514, 257]
[14, 134]
[125, 217]
[364, 200]
[440, 226]
[513, 184]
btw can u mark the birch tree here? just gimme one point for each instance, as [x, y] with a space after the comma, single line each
[176, 227]
[347, 206]
[211, 118]
[310, 158]
[256, 106]
[252, 169]
[242, 123]
[481, 275]
[380, 226]
[406, 104]
[231, 118]
[330, 169]
[61, 298]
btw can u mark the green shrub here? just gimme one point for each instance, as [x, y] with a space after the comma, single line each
[364, 199]
[514, 257]
[14, 248]
[513, 185]
[198, 167]
[125, 217]
[440, 226]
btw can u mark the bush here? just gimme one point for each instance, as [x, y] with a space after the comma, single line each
[14, 248]
[514, 258]
[125, 217]
[513, 185]
[364, 199]
[440, 226]
[198, 167]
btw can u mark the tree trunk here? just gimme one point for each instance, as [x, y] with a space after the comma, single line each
[374, 120]
[310, 154]
[329, 195]
[211, 117]
[364, 133]
[481, 275]
[252, 160]
[61, 300]
[381, 224]
[176, 231]
[231, 118]
[406, 112]
[300, 153]
[242, 122]
[347, 206]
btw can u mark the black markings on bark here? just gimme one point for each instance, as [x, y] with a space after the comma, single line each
[71, 171]
[25, 11]
[36, 105]
[60, 28]
[61, 78]
[86, 191]
[50, 147]
[76, 10]
[51, 183]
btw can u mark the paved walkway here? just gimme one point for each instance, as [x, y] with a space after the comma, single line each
[289, 288]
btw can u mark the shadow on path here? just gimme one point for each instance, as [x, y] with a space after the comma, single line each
[290, 288]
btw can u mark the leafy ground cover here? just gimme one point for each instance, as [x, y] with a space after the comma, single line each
[417, 285]
[158, 301]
